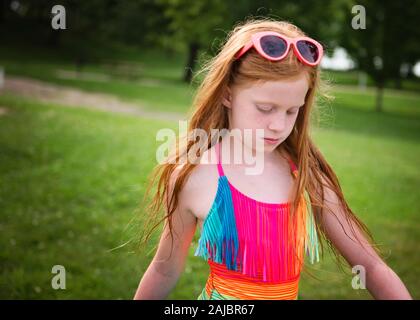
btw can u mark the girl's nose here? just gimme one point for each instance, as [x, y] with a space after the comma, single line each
[278, 123]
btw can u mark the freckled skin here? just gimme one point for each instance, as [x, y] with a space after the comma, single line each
[282, 98]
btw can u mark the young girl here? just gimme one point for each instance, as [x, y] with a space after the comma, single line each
[257, 229]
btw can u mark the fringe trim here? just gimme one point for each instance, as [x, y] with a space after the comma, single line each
[219, 239]
[311, 239]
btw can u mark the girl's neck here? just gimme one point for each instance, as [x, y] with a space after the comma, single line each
[246, 152]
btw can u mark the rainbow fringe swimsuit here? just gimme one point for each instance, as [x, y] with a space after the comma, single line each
[247, 247]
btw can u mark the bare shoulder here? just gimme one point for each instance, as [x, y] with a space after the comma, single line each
[200, 188]
[170, 257]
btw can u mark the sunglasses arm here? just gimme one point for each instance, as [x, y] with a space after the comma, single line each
[244, 49]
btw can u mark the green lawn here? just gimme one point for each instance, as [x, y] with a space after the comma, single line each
[70, 183]
[71, 180]
[142, 78]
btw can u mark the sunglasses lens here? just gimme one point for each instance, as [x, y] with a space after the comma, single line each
[273, 46]
[308, 50]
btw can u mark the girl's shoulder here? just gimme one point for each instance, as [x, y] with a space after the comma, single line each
[200, 187]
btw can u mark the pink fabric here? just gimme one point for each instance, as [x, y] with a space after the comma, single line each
[265, 251]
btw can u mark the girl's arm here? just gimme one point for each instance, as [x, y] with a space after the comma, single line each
[167, 265]
[381, 280]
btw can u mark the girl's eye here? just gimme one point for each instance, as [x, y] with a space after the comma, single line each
[292, 111]
[264, 109]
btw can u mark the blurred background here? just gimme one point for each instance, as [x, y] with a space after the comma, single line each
[80, 107]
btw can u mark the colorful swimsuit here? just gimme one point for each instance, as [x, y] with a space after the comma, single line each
[247, 246]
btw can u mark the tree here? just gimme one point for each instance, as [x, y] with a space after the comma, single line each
[197, 24]
[193, 24]
[389, 40]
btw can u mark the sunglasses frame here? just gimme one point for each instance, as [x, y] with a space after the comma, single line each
[255, 42]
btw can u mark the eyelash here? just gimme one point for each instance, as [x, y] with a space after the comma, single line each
[267, 111]
[293, 111]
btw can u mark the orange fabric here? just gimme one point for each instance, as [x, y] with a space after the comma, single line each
[231, 284]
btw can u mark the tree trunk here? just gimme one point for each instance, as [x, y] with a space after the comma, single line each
[53, 38]
[192, 56]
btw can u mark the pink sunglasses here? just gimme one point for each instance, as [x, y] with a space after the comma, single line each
[275, 46]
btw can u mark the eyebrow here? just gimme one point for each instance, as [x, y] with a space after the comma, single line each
[276, 105]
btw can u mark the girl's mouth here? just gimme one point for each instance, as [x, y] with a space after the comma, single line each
[271, 141]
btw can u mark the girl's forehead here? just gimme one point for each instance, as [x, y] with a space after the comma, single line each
[289, 91]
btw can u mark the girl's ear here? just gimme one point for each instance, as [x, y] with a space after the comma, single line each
[227, 98]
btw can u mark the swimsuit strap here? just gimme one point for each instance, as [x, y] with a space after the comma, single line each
[219, 165]
[293, 167]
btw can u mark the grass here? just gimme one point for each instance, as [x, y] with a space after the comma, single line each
[71, 181]
[67, 194]
[145, 89]
[142, 78]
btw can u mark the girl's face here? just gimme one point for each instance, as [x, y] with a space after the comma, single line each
[272, 106]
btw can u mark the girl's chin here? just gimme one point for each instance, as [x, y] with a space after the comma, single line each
[263, 147]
